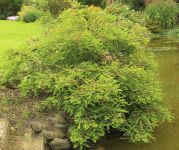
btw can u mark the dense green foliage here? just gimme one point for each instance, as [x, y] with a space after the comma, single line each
[91, 64]
[9, 7]
[162, 14]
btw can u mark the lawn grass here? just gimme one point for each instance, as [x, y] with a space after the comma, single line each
[15, 34]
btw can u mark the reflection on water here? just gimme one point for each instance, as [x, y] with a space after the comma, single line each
[167, 135]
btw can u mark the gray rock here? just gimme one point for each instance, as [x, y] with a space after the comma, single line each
[13, 130]
[38, 126]
[50, 135]
[58, 119]
[62, 127]
[60, 144]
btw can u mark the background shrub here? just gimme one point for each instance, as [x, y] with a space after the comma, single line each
[32, 16]
[29, 14]
[162, 14]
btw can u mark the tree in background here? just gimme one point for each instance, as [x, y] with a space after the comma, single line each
[9, 7]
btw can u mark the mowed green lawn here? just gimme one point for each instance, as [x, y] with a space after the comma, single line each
[15, 34]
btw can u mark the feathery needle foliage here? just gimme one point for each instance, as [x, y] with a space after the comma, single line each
[92, 65]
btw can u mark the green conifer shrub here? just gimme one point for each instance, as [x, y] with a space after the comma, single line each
[91, 65]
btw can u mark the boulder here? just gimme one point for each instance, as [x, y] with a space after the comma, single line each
[50, 135]
[60, 144]
[39, 126]
[62, 127]
[58, 119]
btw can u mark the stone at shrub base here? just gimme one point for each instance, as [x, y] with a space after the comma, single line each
[62, 127]
[50, 135]
[60, 144]
[38, 126]
[59, 119]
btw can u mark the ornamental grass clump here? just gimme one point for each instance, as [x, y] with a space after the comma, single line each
[162, 13]
[92, 66]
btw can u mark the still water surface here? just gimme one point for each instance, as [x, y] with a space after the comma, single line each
[167, 135]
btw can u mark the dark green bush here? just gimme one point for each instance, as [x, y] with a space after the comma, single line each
[29, 14]
[162, 14]
[32, 16]
[91, 65]
[3, 16]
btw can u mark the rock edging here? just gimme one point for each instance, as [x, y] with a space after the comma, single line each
[54, 131]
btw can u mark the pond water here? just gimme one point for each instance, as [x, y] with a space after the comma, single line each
[167, 135]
